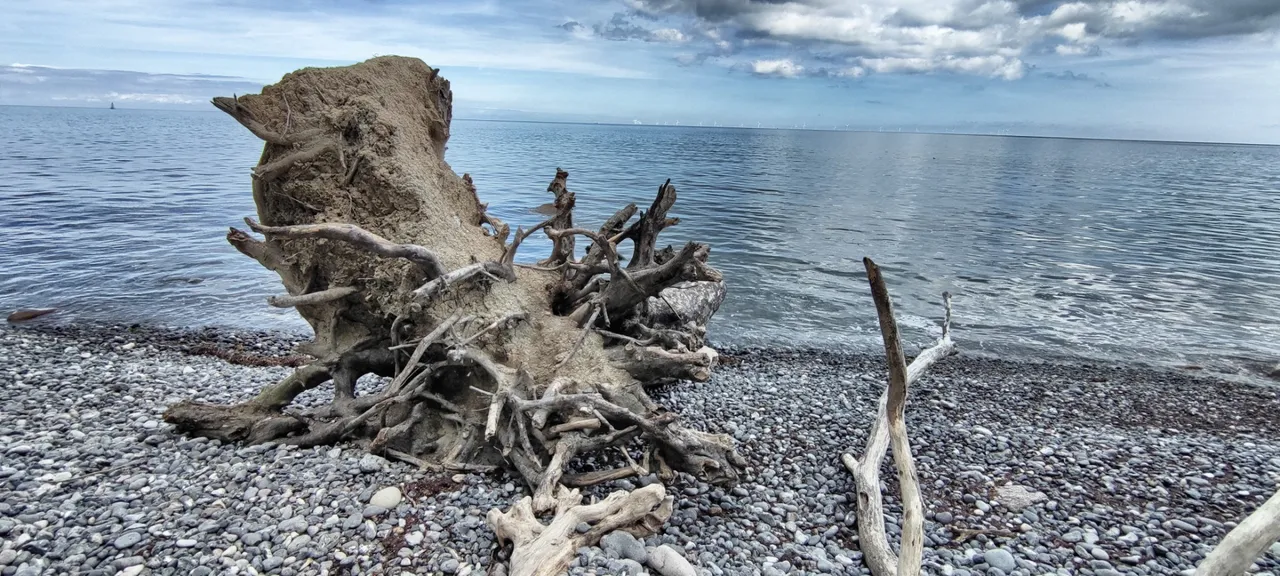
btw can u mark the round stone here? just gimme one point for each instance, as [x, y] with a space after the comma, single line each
[388, 498]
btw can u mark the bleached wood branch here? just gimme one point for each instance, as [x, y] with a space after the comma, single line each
[889, 427]
[330, 295]
[546, 549]
[1245, 543]
[360, 238]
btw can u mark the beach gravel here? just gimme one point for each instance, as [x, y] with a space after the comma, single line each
[1117, 470]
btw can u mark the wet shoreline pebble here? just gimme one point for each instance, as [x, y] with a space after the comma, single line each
[1026, 469]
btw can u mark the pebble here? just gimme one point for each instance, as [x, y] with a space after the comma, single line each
[668, 562]
[624, 545]
[199, 507]
[388, 498]
[127, 540]
[1000, 558]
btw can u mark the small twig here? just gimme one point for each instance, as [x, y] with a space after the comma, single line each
[964, 534]
[581, 338]
[501, 322]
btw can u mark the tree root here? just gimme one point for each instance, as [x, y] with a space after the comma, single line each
[481, 374]
[359, 238]
[311, 298]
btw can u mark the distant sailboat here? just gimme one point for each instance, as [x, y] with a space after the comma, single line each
[113, 105]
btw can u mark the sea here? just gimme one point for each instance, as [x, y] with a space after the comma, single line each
[1156, 253]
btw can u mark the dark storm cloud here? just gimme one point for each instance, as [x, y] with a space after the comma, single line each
[985, 37]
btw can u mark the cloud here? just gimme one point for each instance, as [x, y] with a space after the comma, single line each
[971, 37]
[622, 27]
[571, 26]
[783, 68]
[1077, 77]
[28, 84]
[271, 37]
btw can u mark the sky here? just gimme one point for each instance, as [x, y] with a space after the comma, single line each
[1204, 70]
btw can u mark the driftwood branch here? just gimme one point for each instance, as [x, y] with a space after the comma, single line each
[889, 427]
[437, 286]
[311, 298]
[358, 237]
[1245, 543]
[546, 550]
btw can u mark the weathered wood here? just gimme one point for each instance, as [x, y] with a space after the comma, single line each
[359, 238]
[1242, 546]
[353, 193]
[644, 233]
[312, 298]
[889, 427]
[546, 550]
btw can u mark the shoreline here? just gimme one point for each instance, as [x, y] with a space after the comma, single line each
[1143, 470]
[280, 344]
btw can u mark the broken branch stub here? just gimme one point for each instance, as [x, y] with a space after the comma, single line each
[401, 272]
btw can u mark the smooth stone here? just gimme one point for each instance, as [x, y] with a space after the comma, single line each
[668, 562]
[449, 566]
[388, 498]
[630, 567]
[1000, 558]
[624, 545]
[127, 540]
[295, 524]
[371, 463]
[1016, 497]
[944, 517]
[1100, 553]
[185, 543]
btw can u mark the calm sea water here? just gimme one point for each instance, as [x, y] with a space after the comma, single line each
[1163, 253]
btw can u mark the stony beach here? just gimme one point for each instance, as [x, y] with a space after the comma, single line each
[1026, 468]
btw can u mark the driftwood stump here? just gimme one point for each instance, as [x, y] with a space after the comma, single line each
[400, 270]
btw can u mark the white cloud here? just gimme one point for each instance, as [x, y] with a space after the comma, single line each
[236, 30]
[782, 67]
[669, 35]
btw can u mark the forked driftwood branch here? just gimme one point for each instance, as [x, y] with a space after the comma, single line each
[889, 427]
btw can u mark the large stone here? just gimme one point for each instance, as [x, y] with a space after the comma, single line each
[1016, 497]
[1000, 558]
[668, 562]
[686, 302]
[624, 545]
[372, 463]
[388, 498]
